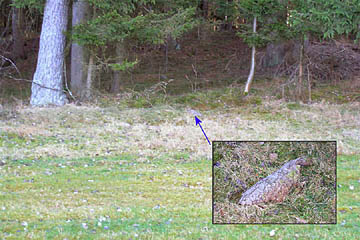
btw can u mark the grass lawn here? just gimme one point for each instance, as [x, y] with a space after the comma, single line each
[110, 172]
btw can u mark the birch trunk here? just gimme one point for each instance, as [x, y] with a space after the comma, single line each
[252, 69]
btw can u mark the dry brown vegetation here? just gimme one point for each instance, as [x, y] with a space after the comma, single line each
[89, 130]
[239, 165]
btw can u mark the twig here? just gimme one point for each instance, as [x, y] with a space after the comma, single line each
[149, 11]
[66, 84]
[194, 70]
[12, 63]
[291, 78]
[230, 60]
[193, 84]
[309, 84]
[30, 81]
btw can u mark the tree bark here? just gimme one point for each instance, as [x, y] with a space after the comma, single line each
[252, 69]
[117, 75]
[275, 51]
[167, 43]
[309, 83]
[204, 13]
[89, 78]
[18, 50]
[301, 70]
[6, 22]
[47, 86]
[204, 8]
[79, 54]
[274, 55]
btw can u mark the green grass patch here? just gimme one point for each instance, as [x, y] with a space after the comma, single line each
[13, 140]
[121, 197]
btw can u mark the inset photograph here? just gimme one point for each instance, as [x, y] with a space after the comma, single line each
[274, 182]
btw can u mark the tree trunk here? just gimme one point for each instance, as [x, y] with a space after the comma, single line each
[275, 51]
[252, 69]
[18, 34]
[226, 24]
[274, 55]
[309, 83]
[47, 86]
[204, 13]
[89, 78]
[301, 71]
[117, 75]
[6, 22]
[204, 8]
[167, 53]
[79, 54]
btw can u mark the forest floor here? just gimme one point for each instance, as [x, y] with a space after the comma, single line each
[134, 165]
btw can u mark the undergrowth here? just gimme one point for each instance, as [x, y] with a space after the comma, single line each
[239, 165]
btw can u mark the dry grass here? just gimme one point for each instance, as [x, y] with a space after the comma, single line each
[91, 131]
[239, 165]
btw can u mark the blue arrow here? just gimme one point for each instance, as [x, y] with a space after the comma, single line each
[198, 121]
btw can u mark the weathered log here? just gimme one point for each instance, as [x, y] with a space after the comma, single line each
[276, 186]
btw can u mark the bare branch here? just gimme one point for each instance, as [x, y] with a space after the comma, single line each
[12, 63]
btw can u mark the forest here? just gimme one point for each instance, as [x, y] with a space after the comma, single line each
[148, 119]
